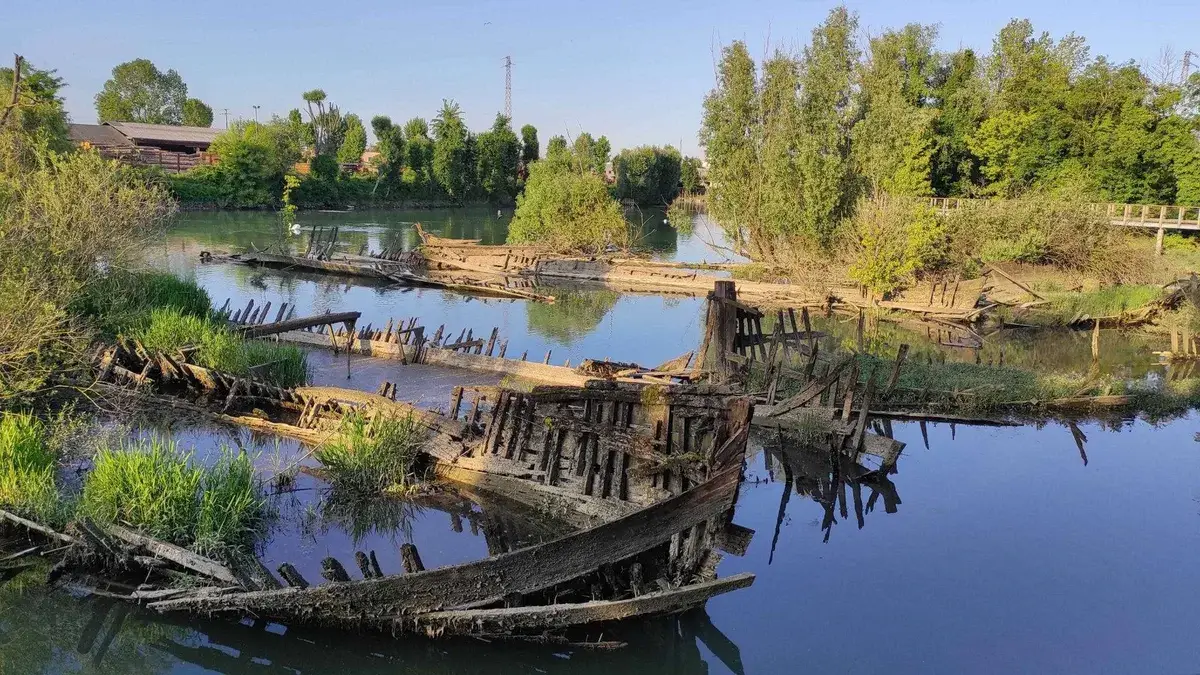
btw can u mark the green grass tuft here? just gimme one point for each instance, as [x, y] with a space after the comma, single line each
[168, 329]
[28, 470]
[1111, 301]
[122, 301]
[152, 486]
[371, 455]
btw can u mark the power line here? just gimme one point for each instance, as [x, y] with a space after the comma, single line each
[508, 87]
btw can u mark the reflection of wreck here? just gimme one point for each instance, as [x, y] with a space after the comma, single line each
[826, 477]
[650, 473]
[666, 644]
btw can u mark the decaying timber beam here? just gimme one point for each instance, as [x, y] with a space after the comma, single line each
[262, 330]
[484, 622]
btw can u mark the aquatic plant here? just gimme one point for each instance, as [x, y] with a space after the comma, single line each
[153, 486]
[373, 454]
[168, 329]
[28, 467]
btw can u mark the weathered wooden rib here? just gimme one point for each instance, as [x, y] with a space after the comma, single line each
[486, 581]
[501, 621]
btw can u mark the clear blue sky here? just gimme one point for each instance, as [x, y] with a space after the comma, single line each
[635, 71]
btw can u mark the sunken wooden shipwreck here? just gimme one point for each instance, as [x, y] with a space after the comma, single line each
[648, 473]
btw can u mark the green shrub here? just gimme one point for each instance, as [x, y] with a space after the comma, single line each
[28, 469]
[201, 186]
[370, 455]
[1044, 232]
[897, 240]
[168, 329]
[567, 210]
[152, 486]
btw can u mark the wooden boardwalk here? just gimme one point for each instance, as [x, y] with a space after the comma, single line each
[1156, 216]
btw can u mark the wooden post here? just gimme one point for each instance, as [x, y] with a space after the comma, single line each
[723, 329]
[411, 559]
[861, 320]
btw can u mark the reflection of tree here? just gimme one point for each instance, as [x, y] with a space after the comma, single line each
[572, 315]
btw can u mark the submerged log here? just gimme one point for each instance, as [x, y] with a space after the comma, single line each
[487, 581]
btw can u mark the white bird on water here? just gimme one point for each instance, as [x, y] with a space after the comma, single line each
[295, 228]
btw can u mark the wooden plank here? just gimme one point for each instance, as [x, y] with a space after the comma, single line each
[299, 324]
[812, 390]
[504, 621]
[179, 556]
[486, 581]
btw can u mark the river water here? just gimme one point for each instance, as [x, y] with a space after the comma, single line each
[990, 550]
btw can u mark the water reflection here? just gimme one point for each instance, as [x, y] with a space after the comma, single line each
[573, 315]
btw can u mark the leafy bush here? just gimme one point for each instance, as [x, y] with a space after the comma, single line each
[67, 218]
[370, 455]
[168, 329]
[201, 186]
[567, 210]
[154, 487]
[28, 467]
[897, 240]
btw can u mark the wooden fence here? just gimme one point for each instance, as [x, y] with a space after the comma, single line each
[170, 162]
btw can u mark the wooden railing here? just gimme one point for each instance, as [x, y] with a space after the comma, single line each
[1156, 216]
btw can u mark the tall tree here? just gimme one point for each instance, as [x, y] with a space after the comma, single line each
[328, 126]
[892, 142]
[389, 141]
[689, 174]
[139, 92]
[451, 153]
[529, 144]
[958, 95]
[419, 153]
[823, 152]
[729, 133]
[354, 141]
[499, 160]
[196, 113]
[39, 108]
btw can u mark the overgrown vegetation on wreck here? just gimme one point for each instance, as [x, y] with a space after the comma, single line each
[374, 454]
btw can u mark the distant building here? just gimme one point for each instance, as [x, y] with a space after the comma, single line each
[172, 148]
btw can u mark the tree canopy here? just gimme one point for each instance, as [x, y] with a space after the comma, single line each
[648, 175]
[196, 113]
[498, 161]
[795, 141]
[139, 92]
